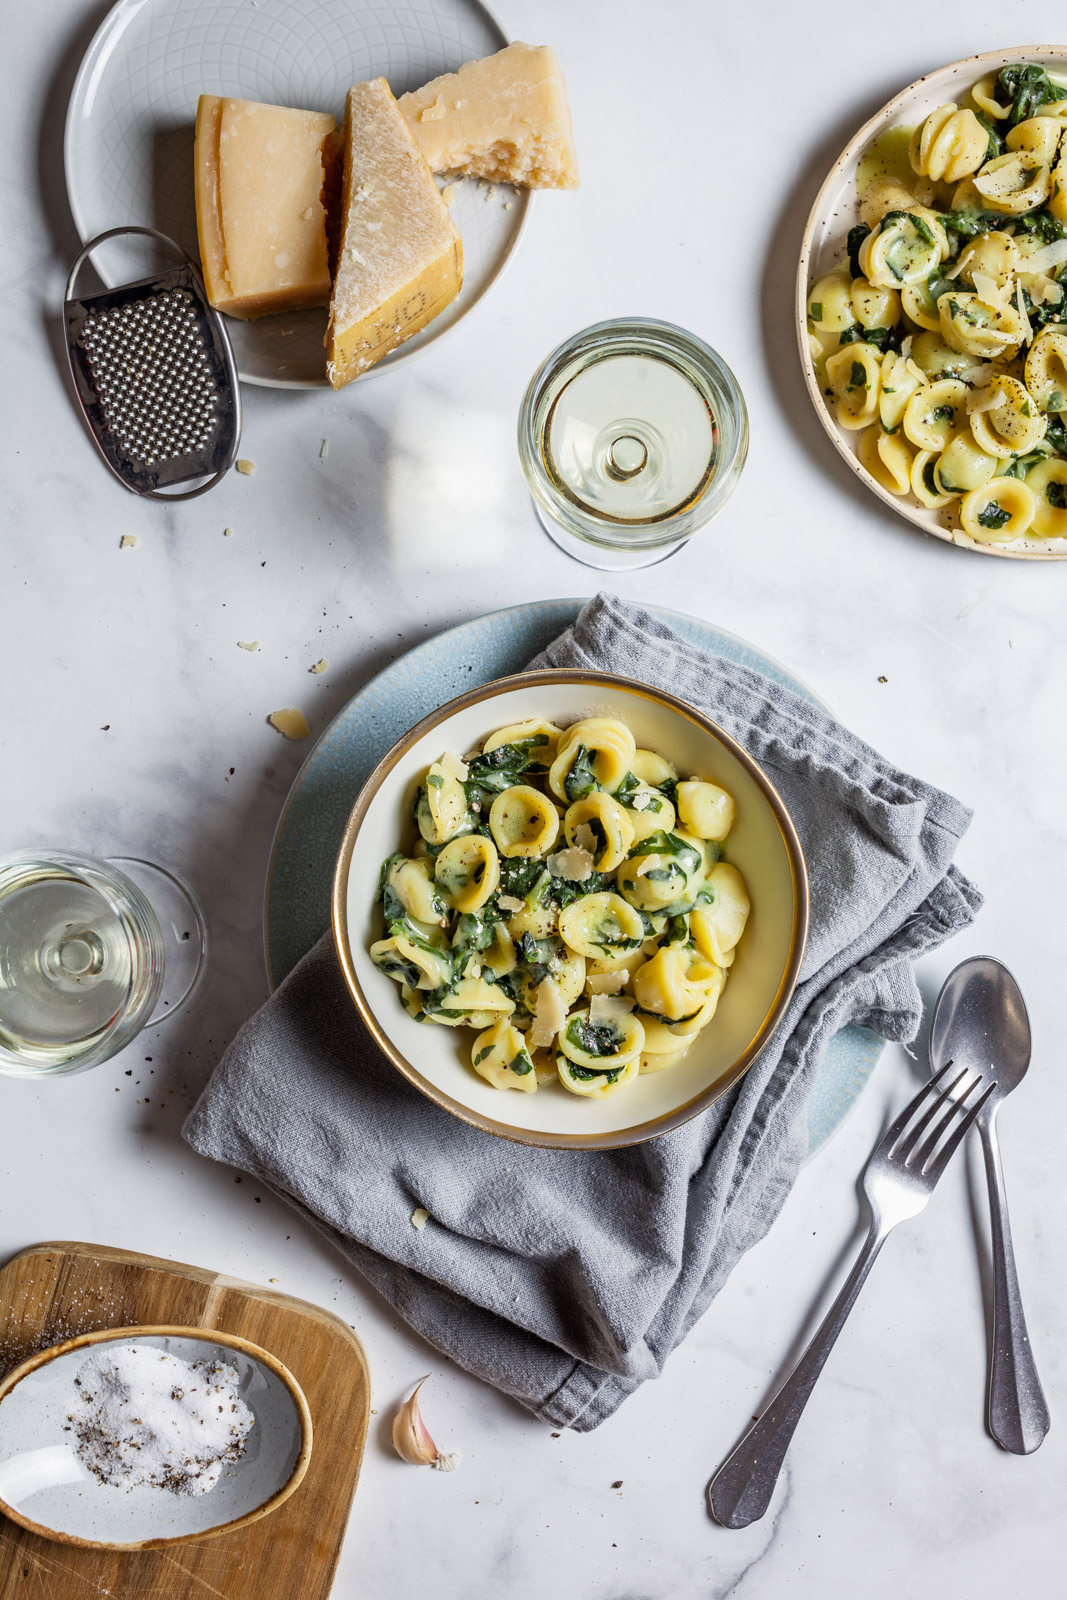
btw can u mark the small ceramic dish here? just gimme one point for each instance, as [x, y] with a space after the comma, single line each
[45, 1488]
[763, 845]
[836, 210]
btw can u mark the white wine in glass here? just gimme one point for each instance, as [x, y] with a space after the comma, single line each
[87, 959]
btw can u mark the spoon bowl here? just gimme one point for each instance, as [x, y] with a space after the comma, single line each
[980, 1023]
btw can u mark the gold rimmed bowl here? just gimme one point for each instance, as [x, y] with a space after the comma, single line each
[763, 845]
[45, 1487]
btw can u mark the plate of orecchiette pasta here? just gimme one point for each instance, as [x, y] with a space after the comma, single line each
[932, 303]
[570, 909]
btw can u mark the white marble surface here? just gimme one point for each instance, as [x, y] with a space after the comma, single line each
[704, 132]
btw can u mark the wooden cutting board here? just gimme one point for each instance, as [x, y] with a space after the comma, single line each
[53, 1292]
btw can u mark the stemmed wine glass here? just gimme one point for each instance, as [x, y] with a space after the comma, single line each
[91, 952]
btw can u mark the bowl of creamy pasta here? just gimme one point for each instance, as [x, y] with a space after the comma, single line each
[932, 303]
[570, 909]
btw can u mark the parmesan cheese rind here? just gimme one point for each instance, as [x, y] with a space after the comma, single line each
[400, 260]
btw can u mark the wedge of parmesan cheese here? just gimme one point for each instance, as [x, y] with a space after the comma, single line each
[573, 864]
[549, 1015]
[504, 118]
[262, 174]
[400, 260]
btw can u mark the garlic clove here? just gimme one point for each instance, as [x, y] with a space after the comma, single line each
[410, 1437]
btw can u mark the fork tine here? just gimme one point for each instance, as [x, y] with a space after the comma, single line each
[893, 1133]
[954, 1139]
[943, 1097]
[916, 1156]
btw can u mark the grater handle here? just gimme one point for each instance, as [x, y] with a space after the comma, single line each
[114, 233]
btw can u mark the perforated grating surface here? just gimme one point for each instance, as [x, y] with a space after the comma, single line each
[149, 366]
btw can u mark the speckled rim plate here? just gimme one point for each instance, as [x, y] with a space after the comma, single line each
[128, 144]
[297, 896]
[836, 209]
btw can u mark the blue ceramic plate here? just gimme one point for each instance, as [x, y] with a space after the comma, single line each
[296, 911]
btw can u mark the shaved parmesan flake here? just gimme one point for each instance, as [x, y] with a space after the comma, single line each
[549, 1015]
[1048, 257]
[905, 348]
[585, 838]
[983, 400]
[573, 865]
[917, 372]
[954, 271]
[646, 865]
[453, 767]
[1042, 291]
[989, 290]
[509, 902]
[609, 1007]
[642, 800]
[606, 982]
[1028, 332]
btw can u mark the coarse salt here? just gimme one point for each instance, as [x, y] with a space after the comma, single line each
[144, 1417]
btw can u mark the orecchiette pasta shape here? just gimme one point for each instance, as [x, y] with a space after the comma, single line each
[942, 338]
[566, 896]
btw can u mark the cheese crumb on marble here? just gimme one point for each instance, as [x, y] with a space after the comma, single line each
[320, 667]
[290, 722]
[128, 540]
[245, 467]
[248, 644]
[227, 533]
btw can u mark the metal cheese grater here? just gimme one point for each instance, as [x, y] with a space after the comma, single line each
[155, 377]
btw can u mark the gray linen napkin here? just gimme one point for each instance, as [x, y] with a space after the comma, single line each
[565, 1278]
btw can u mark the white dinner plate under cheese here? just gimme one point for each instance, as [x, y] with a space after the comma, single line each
[836, 210]
[128, 147]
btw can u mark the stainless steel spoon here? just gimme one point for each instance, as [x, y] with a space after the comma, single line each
[980, 1023]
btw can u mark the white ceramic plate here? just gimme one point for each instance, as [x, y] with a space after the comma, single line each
[128, 147]
[44, 1487]
[763, 845]
[836, 210]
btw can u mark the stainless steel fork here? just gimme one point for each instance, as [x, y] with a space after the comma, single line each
[898, 1180]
